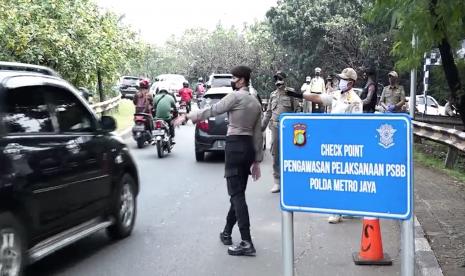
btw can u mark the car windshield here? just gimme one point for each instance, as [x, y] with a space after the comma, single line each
[421, 100]
[221, 81]
[130, 81]
[431, 102]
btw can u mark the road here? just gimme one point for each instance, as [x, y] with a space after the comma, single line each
[181, 210]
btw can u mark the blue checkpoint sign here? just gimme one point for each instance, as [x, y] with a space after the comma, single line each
[349, 164]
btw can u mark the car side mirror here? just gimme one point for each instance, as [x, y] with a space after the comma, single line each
[208, 86]
[108, 123]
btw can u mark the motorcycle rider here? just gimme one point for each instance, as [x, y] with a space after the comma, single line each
[164, 104]
[186, 95]
[143, 102]
[200, 88]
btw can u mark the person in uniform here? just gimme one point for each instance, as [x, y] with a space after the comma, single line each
[369, 94]
[316, 86]
[393, 96]
[306, 84]
[345, 100]
[278, 103]
[243, 153]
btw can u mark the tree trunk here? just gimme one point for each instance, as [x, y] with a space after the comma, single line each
[450, 68]
[452, 76]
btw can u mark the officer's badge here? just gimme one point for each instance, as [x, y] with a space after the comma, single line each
[300, 135]
[386, 136]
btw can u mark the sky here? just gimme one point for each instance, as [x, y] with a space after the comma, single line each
[157, 20]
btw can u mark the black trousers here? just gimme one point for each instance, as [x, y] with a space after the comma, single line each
[239, 156]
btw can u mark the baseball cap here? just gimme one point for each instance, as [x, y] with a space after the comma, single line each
[348, 73]
[308, 78]
[394, 74]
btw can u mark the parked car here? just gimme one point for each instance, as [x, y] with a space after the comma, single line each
[63, 175]
[210, 135]
[128, 86]
[432, 107]
[171, 82]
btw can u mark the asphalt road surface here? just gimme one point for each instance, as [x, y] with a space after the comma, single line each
[181, 210]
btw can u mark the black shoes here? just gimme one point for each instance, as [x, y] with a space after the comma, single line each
[245, 248]
[225, 238]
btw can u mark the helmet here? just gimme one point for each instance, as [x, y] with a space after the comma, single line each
[143, 84]
[200, 79]
[279, 75]
[185, 84]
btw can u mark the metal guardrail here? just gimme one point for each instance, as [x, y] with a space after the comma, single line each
[106, 105]
[444, 121]
[453, 138]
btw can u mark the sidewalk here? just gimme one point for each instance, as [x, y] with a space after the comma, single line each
[440, 208]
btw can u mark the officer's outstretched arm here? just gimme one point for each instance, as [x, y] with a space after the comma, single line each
[314, 98]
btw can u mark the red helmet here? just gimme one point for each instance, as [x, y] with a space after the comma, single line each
[144, 84]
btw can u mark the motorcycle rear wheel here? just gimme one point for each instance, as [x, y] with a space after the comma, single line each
[160, 150]
[140, 142]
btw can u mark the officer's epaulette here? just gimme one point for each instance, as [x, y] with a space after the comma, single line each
[290, 89]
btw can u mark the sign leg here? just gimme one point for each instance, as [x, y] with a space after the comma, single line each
[407, 248]
[288, 242]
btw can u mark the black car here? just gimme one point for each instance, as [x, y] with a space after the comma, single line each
[210, 135]
[128, 86]
[63, 174]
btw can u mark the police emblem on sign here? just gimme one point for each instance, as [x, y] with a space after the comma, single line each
[386, 136]
[300, 135]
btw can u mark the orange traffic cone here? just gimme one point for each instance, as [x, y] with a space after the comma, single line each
[371, 249]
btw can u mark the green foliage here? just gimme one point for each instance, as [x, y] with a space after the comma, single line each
[415, 16]
[75, 38]
[438, 85]
[330, 34]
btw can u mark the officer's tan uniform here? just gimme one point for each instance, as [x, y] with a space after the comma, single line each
[317, 86]
[278, 103]
[392, 95]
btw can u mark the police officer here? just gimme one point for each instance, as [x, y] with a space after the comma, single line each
[316, 86]
[243, 152]
[393, 96]
[345, 100]
[278, 103]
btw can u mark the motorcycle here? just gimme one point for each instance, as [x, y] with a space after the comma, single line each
[141, 131]
[162, 137]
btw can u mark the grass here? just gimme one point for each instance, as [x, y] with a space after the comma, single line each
[123, 114]
[433, 156]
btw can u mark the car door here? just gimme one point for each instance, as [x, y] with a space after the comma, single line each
[87, 159]
[35, 158]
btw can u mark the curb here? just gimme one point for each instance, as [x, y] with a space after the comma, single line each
[425, 260]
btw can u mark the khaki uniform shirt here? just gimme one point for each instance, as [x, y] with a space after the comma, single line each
[392, 94]
[317, 85]
[244, 115]
[347, 102]
[278, 103]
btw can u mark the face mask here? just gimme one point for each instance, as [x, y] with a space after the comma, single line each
[233, 85]
[279, 83]
[343, 85]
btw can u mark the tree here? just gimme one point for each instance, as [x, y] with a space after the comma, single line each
[436, 23]
[75, 38]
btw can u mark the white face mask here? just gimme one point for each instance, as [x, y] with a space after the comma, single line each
[343, 85]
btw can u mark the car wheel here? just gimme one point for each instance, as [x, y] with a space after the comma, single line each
[12, 246]
[199, 156]
[124, 209]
